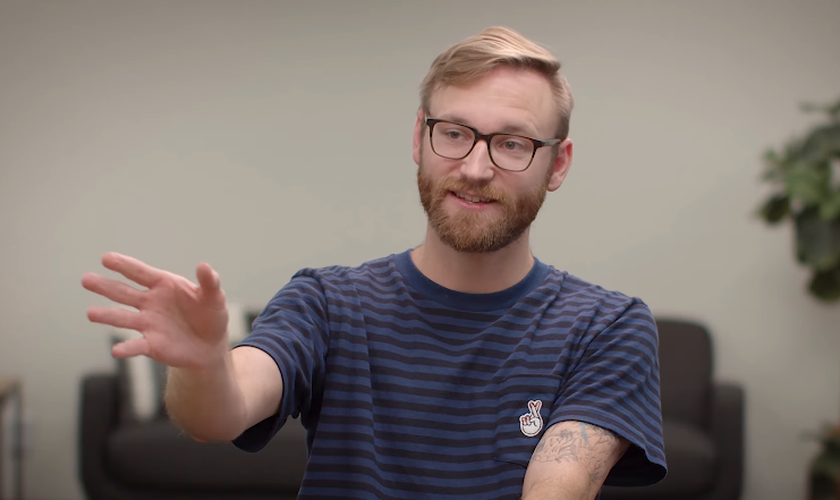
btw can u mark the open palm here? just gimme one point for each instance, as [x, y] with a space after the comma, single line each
[182, 324]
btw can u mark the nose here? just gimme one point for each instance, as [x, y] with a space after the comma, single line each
[477, 166]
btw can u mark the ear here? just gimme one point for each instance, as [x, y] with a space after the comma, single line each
[561, 165]
[419, 127]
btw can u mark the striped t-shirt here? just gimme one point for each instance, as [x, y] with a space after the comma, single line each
[411, 390]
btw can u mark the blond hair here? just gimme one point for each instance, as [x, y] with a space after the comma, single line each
[471, 59]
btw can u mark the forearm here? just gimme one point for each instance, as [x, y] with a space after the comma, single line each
[560, 492]
[207, 403]
[568, 486]
[571, 462]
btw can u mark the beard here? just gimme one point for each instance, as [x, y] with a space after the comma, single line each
[477, 232]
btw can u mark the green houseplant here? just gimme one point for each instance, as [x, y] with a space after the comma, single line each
[806, 178]
[805, 175]
[824, 470]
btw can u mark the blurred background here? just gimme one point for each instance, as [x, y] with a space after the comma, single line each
[263, 137]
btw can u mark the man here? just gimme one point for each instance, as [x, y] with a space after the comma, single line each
[464, 368]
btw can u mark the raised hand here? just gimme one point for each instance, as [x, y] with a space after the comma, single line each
[183, 325]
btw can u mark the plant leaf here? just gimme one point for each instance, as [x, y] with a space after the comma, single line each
[771, 157]
[775, 209]
[821, 143]
[826, 465]
[830, 207]
[807, 182]
[825, 285]
[774, 166]
[834, 110]
[817, 240]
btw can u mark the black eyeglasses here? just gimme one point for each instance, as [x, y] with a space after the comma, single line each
[456, 141]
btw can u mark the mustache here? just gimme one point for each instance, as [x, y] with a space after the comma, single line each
[481, 191]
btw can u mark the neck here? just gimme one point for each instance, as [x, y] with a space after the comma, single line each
[473, 272]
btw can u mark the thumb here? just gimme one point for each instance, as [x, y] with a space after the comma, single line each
[210, 284]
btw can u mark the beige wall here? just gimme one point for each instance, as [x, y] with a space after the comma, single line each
[263, 137]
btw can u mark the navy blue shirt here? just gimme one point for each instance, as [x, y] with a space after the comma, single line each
[411, 390]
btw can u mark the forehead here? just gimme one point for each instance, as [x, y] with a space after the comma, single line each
[504, 100]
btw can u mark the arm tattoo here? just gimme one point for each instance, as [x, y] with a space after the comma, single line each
[591, 446]
[583, 433]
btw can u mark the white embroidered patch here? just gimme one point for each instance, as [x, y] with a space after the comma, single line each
[531, 423]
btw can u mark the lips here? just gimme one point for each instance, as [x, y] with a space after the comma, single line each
[471, 198]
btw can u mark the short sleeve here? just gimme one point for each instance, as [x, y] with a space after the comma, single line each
[615, 385]
[293, 330]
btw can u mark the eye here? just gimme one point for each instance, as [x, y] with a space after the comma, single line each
[513, 145]
[453, 133]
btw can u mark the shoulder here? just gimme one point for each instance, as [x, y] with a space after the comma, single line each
[578, 293]
[593, 309]
[338, 280]
[315, 291]
[379, 268]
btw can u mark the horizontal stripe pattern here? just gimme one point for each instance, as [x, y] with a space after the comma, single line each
[411, 390]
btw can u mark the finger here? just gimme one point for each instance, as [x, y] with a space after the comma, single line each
[118, 317]
[133, 269]
[112, 289]
[207, 277]
[132, 347]
[210, 284]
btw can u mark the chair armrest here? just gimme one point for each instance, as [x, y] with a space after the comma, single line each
[98, 417]
[727, 427]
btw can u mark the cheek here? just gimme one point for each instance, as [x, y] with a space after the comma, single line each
[434, 165]
[524, 185]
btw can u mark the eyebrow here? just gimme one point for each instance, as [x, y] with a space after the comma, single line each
[508, 128]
